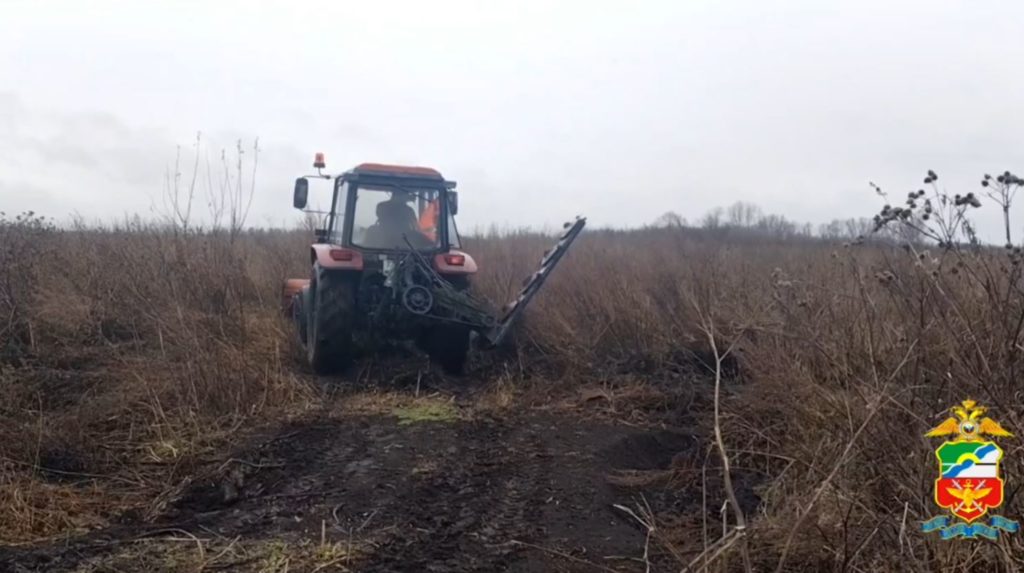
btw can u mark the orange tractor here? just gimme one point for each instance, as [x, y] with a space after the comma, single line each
[388, 265]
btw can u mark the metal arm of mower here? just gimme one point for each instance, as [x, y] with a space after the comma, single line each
[422, 291]
[495, 334]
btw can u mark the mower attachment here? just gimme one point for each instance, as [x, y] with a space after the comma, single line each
[494, 335]
[423, 292]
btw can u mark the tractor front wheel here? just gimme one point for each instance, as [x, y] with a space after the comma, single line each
[329, 324]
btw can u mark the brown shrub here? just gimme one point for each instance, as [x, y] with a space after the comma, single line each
[131, 350]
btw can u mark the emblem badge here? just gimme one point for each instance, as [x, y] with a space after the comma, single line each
[969, 482]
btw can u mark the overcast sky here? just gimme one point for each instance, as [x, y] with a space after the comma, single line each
[540, 110]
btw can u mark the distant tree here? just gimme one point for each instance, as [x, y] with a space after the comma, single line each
[741, 214]
[776, 226]
[713, 219]
[670, 219]
[846, 229]
[860, 227]
[831, 230]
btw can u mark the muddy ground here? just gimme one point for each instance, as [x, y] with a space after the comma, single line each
[440, 485]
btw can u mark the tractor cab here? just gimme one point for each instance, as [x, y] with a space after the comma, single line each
[379, 209]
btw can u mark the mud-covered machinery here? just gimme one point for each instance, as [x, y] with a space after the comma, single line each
[387, 265]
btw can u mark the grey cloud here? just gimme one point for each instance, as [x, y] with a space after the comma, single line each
[541, 110]
[20, 196]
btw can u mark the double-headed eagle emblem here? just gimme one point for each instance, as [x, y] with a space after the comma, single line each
[968, 425]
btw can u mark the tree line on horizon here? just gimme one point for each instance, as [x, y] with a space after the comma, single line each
[751, 218]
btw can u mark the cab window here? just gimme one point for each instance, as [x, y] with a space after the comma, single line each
[386, 216]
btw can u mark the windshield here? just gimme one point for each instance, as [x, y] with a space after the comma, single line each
[383, 215]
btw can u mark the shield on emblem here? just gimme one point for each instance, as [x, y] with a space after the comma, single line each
[969, 483]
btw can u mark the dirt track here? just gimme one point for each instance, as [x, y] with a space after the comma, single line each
[526, 492]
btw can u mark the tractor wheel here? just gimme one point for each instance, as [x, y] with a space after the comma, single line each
[448, 345]
[300, 314]
[329, 322]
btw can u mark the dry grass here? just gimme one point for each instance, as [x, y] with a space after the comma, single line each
[131, 352]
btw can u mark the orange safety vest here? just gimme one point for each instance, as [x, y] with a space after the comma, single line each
[428, 220]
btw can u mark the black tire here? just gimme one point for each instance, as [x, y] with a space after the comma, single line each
[298, 318]
[300, 315]
[448, 346]
[459, 282]
[329, 321]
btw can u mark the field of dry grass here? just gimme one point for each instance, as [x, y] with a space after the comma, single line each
[131, 356]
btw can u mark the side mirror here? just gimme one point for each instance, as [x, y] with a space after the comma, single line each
[453, 202]
[301, 193]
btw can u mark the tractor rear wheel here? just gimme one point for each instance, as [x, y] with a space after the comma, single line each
[330, 319]
[300, 302]
[448, 346]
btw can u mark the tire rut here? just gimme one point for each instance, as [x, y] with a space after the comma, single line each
[526, 493]
[490, 496]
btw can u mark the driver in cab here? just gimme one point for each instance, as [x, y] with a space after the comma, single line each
[395, 218]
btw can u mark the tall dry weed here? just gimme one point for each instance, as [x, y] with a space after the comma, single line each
[133, 348]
